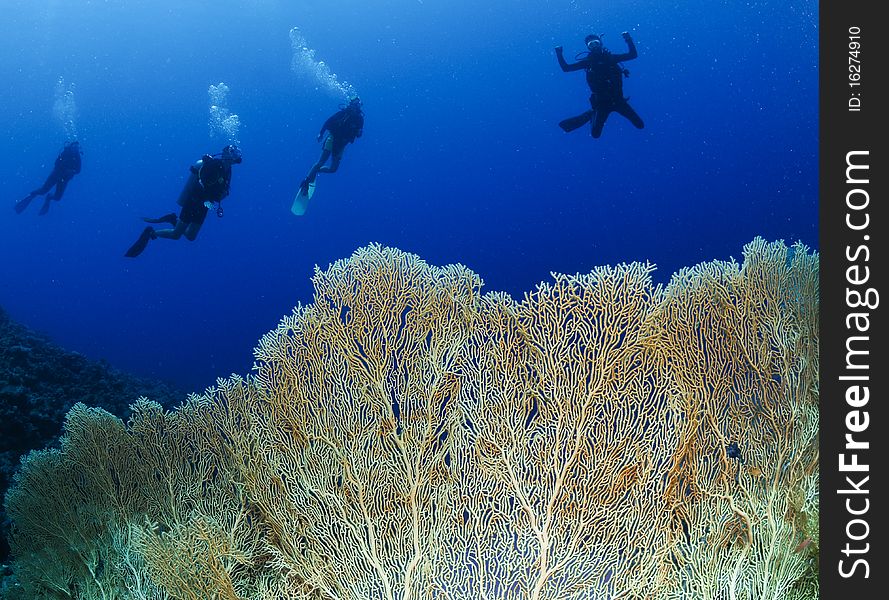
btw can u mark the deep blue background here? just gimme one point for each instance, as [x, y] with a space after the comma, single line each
[461, 160]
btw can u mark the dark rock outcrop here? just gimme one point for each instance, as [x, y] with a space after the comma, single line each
[39, 382]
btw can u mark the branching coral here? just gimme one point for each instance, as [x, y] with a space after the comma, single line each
[405, 436]
[740, 345]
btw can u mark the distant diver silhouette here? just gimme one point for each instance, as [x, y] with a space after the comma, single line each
[67, 165]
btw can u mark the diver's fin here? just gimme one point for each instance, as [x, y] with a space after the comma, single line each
[22, 204]
[303, 195]
[306, 183]
[168, 218]
[572, 123]
[137, 248]
[45, 208]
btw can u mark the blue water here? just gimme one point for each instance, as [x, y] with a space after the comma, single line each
[461, 158]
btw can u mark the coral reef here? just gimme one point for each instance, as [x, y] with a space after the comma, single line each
[40, 382]
[406, 436]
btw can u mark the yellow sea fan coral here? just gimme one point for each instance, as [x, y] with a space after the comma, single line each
[406, 436]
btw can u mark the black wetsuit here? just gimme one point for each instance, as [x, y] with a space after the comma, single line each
[209, 182]
[345, 126]
[67, 165]
[604, 76]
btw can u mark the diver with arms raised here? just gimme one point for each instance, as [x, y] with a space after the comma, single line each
[604, 76]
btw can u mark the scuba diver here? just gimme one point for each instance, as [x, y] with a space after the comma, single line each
[67, 166]
[344, 127]
[604, 76]
[208, 183]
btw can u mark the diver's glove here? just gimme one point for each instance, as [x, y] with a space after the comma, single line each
[558, 49]
[626, 36]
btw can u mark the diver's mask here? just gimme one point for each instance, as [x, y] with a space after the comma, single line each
[593, 43]
[232, 153]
